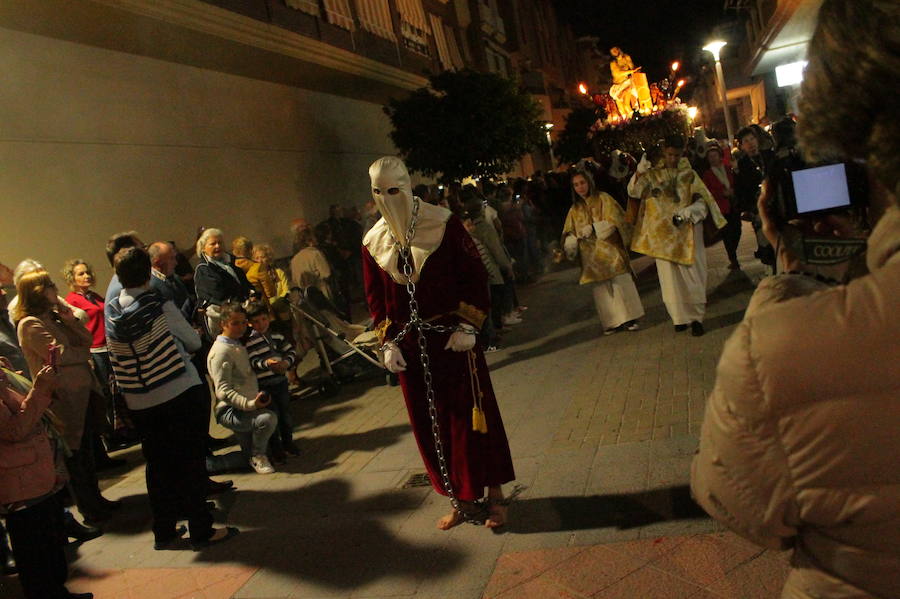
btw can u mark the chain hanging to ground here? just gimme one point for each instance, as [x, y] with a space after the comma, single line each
[480, 513]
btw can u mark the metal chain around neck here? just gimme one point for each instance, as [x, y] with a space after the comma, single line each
[480, 513]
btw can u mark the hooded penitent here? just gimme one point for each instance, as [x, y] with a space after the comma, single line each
[392, 192]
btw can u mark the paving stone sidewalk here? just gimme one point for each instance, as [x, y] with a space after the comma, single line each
[602, 430]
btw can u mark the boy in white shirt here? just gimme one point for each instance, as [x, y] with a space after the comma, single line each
[240, 405]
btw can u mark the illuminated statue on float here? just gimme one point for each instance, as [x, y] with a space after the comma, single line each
[623, 89]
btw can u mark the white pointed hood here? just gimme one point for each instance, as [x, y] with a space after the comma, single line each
[392, 191]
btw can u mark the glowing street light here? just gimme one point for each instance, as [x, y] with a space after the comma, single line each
[583, 89]
[714, 48]
[675, 66]
[547, 128]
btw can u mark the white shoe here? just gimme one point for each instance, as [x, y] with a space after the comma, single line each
[261, 464]
[511, 319]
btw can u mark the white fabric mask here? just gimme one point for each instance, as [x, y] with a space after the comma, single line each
[392, 192]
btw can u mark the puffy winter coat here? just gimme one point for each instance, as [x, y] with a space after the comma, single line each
[800, 443]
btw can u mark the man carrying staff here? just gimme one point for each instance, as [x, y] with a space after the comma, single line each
[428, 295]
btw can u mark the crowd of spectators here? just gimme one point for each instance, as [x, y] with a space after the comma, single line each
[107, 394]
[79, 371]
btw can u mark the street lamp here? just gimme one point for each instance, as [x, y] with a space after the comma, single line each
[714, 48]
[547, 128]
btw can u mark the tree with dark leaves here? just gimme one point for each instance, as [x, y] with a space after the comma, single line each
[466, 124]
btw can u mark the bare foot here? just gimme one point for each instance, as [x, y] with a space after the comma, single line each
[452, 519]
[497, 517]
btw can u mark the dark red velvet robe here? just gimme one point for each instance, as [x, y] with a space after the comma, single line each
[452, 288]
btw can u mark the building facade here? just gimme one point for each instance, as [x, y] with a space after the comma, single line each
[765, 37]
[166, 115]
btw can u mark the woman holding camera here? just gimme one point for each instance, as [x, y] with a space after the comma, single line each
[799, 445]
[49, 332]
[596, 230]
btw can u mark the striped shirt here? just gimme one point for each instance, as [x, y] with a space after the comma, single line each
[146, 339]
[262, 347]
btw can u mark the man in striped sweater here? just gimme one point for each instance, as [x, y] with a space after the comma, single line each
[149, 341]
[271, 356]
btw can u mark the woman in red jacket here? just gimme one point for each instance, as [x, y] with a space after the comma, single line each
[719, 179]
[80, 277]
[29, 481]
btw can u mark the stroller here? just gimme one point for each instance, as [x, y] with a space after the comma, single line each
[346, 351]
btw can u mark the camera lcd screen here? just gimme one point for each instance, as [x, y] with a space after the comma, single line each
[821, 188]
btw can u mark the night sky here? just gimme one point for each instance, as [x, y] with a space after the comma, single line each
[653, 32]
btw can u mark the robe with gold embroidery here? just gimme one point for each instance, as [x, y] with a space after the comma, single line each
[452, 289]
[601, 259]
[663, 191]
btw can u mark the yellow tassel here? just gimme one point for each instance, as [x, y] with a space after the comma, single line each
[479, 424]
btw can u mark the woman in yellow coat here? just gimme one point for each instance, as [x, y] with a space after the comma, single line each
[596, 230]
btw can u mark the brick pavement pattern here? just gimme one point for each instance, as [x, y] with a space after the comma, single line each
[602, 430]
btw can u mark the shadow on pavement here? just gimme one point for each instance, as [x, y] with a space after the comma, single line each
[723, 321]
[320, 453]
[628, 510]
[320, 534]
[735, 282]
[590, 331]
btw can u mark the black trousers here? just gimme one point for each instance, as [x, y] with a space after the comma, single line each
[498, 305]
[281, 404]
[174, 446]
[731, 234]
[37, 536]
[83, 474]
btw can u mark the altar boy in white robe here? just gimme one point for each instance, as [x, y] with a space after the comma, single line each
[669, 227]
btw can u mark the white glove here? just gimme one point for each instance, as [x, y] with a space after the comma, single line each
[694, 213]
[585, 231]
[644, 165]
[393, 358]
[603, 229]
[570, 246]
[461, 340]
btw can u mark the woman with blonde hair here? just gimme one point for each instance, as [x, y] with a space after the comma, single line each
[217, 279]
[271, 282]
[242, 249]
[80, 277]
[49, 333]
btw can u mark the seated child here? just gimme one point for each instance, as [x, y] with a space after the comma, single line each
[240, 405]
[271, 357]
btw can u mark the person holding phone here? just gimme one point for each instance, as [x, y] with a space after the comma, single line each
[241, 406]
[29, 499]
[49, 333]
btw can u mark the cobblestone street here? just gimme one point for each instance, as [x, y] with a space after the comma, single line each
[602, 430]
